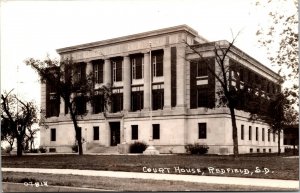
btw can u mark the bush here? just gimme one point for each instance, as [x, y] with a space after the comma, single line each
[75, 148]
[42, 149]
[7, 149]
[196, 148]
[137, 147]
[292, 151]
[33, 151]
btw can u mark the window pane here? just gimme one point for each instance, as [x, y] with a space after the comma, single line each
[242, 132]
[98, 104]
[117, 102]
[134, 132]
[53, 134]
[157, 99]
[80, 105]
[156, 132]
[137, 100]
[250, 133]
[202, 130]
[96, 133]
[139, 72]
[119, 71]
[202, 69]
[202, 94]
[256, 133]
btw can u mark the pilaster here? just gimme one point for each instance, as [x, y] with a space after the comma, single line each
[89, 71]
[107, 76]
[167, 78]
[126, 84]
[180, 70]
[147, 82]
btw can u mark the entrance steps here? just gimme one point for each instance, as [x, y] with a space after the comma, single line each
[95, 148]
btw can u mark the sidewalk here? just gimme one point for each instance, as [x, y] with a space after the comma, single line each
[292, 184]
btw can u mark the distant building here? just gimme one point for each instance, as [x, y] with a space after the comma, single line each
[183, 94]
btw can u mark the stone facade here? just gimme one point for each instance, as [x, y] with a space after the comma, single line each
[177, 123]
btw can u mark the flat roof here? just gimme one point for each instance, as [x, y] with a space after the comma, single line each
[131, 37]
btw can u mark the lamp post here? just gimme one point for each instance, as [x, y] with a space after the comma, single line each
[150, 91]
[150, 149]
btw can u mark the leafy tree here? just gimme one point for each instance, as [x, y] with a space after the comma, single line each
[18, 116]
[7, 133]
[280, 38]
[279, 113]
[70, 87]
[228, 95]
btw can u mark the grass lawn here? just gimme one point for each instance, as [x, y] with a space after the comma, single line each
[118, 184]
[279, 167]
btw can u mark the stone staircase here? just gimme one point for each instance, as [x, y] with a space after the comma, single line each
[96, 148]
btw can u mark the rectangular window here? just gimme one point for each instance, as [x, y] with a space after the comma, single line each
[137, 66]
[96, 133]
[137, 100]
[117, 102]
[98, 104]
[80, 104]
[202, 83]
[156, 131]
[202, 68]
[114, 64]
[117, 70]
[250, 133]
[158, 98]
[263, 134]
[53, 134]
[202, 96]
[134, 132]
[202, 130]
[98, 71]
[256, 137]
[157, 63]
[274, 136]
[80, 73]
[242, 132]
[269, 133]
[52, 100]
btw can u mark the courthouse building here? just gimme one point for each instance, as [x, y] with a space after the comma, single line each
[181, 107]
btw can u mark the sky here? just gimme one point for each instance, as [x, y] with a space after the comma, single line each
[37, 28]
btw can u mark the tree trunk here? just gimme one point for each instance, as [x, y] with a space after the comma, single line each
[234, 132]
[19, 146]
[79, 142]
[31, 144]
[278, 143]
[77, 133]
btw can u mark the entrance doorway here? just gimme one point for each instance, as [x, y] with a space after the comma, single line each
[114, 133]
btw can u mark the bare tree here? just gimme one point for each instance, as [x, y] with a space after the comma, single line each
[29, 138]
[228, 95]
[19, 116]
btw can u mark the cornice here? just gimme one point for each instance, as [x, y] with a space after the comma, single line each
[153, 33]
